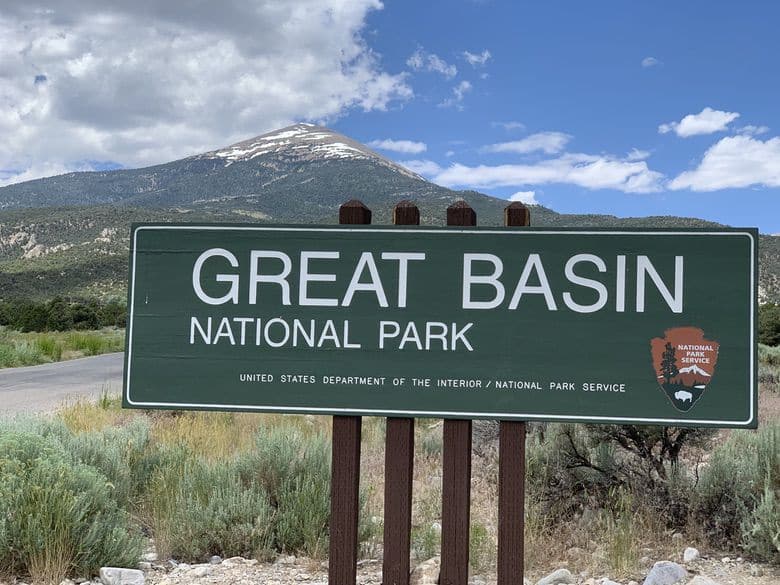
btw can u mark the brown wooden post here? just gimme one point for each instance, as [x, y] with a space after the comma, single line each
[345, 466]
[511, 469]
[399, 468]
[456, 468]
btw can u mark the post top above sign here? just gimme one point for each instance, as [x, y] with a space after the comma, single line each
[645, 326]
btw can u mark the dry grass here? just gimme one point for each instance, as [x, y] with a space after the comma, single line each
[83, 415]
[49, 565]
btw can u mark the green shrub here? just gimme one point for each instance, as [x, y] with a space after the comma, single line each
[122, 454]
[482, 548]
[294, 469]
[57, 517]
[769, 324]
[761, 530]
[61, 314]
[768, 356]
[89, 343]
[50, 347]
[199, 509]
[733, 483]
[425, 541]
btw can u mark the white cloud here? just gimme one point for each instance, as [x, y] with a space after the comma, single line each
[509, 126]
[547, 142]
[146, 82]
[751, 130]
[734, 162]
[449, 153]
[527, 197]
[421, 60]
[404, 146]
[458, 93]
[583, 170]
[650, 62]
[423, 167]
[637, 154]
[477, 59]
[707, 121]
[40, 171]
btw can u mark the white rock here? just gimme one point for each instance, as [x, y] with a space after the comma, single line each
[690, 554]
[609, 582]
[726, 559]
[149, 557]
[665, 573]
[119, 576]
[67, 582]
[215, 560]
[556, 577]
[633, 583]
[200, 571]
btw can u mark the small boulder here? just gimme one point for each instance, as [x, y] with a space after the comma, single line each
[426, 573]
[215, 560]
[149, 557]
[665, 573]
[609, 582]
[200, 571]
[690, 554]
[119, 576]
[556, 577]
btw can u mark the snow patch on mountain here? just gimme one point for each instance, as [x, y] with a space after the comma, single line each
[303, 142]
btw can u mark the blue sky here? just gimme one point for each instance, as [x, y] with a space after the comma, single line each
[633, 109]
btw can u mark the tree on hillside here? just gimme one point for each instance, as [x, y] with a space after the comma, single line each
[769, 324]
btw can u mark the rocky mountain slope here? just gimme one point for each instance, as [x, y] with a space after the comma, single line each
[69, 234]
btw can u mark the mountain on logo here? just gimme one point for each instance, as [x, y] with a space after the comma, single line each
[694, 369]
[684, 384]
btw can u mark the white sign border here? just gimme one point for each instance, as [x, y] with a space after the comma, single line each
[443, 413]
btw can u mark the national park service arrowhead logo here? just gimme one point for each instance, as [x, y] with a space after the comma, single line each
[684, 364]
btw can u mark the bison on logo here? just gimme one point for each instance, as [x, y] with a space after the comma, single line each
[684, 364]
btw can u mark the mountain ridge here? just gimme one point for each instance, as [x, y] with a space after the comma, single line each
[70, 233]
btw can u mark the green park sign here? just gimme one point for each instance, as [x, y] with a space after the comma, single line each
[583, 325]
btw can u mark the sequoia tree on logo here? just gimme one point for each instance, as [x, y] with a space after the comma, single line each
[684, 363]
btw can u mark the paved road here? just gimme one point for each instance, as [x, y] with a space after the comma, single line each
[44, 388]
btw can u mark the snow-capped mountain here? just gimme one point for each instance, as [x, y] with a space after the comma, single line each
[304, 143]
[298, 173]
